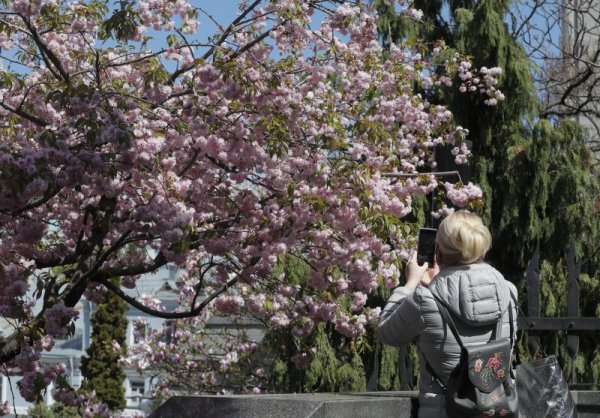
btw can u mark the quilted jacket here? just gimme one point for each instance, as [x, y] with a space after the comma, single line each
[475, 294]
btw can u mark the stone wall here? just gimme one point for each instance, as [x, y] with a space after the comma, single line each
[320, 405]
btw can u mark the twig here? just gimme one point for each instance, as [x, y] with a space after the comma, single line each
[11, 391]
[435, 174]
[222, 38]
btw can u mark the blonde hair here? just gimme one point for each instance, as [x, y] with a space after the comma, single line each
[462, 238]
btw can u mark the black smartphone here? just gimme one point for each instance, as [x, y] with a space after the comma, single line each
[426, 247]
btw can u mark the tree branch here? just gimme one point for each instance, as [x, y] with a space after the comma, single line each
[221, 39]
[46, 52]
[31, 118]
[50, 193]
[161, 314]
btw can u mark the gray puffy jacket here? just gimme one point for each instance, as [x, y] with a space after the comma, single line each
[477, 294]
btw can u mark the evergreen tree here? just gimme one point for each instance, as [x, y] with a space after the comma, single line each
[537, 177]
[100, 368]
[58, 410]
[325, 361]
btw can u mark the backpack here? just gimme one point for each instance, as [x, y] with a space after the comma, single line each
[480, 385]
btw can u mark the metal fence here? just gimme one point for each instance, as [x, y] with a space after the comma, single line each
[573, 323]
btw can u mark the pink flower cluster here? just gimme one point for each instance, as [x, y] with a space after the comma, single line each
[461, 196]
[484, 82]
[57, 317]
[229, 304]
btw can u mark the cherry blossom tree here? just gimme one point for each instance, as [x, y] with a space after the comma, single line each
[290, 133]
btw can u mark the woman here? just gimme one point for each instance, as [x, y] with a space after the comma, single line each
[474, 293]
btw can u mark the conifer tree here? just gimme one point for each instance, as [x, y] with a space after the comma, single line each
[100, 368]
[324, 361]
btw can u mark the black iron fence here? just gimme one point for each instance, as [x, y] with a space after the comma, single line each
[573, 323]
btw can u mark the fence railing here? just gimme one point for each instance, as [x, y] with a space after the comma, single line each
[572, 323]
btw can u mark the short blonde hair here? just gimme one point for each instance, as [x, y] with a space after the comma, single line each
[462, 238]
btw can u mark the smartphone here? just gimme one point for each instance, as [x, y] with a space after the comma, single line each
[426, 247]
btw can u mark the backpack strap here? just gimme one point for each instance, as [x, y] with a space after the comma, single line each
[511, 320]
[446, 315]
[448, 319]
[434, 374]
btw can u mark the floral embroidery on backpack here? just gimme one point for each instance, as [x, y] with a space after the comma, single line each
[478, 364]
[493, 370]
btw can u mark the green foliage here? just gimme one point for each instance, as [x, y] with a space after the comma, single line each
[325, 372]
[389, 378]
[100, 368]
[63, 411]
[58, 410]
[554, 290]
[40, 410]
[121, 25]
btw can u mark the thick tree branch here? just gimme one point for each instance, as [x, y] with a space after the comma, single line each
[134, 270]
[46, 52]
[10, 347]
[161, 314]
[50, 193]
[251, 43]
[102, 215]
[19, 112]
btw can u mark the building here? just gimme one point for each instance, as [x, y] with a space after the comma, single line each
[575, 87]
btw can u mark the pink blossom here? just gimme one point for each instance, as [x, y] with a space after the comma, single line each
[229, 304]
[414, 14]
[4, 408]
[228, 360]
[280, 319]
[57, 317]
[462, 195]
[116, 347]
[358, 301]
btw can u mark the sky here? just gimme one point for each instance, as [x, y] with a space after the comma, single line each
[223, 12]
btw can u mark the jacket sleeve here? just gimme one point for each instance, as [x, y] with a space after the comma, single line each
[401, 319]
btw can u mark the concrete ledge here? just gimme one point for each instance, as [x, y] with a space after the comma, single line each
[320, 405]
[316, 405]
[588, 403]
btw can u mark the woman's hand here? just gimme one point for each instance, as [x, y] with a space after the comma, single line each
[431, 273]
[416, 274]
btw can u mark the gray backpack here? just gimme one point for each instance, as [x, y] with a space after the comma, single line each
[481, 384]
